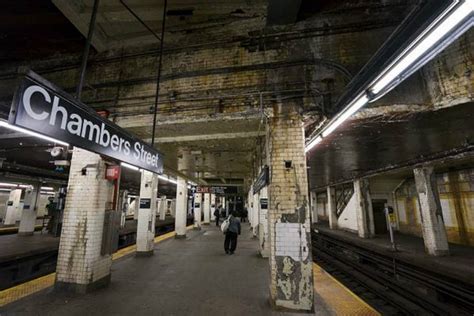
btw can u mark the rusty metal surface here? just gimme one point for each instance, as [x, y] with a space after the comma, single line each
[363, 147]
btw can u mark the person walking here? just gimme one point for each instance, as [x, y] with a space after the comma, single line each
[231, 234]
[217, 214]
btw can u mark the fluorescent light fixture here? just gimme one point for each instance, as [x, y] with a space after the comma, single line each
[46, 192]
[31, 133]
[5, 190]
[47, 188]
[13, 185]
[351, 109]
[423, 44]
[129, 166]
[312, 143]
[167, 179]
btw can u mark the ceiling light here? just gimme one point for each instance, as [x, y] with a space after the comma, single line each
[167, 179]
[312, 143]
[129, 166]
[31, 133]
[424, 44]
[351, 109]
[3, 184]
[47, 188]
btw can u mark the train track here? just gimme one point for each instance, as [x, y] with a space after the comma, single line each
[391, 286]
[23, 269]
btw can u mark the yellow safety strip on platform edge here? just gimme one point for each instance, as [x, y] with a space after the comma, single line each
[338, 297]
[20, 291]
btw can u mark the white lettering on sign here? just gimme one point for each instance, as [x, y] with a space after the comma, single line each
[74, 124]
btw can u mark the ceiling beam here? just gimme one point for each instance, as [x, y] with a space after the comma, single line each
[133, 121]
[202, 137]
[71, 10]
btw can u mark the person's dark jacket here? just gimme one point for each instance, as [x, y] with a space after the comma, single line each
[234, 225]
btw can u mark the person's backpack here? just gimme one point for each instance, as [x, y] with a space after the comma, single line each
[225, 225]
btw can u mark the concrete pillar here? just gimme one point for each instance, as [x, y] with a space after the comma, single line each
[434, 232]
[213, 207]
[163, 207]
[332, 215]
[314, 209]
[85, 255]
[173, 208]
[197, 210]
[28, 215]
[291, 264]
[147, 213]
[263, 224]
[181, 208]
[13, 207]
[206, 208]
[364, 212]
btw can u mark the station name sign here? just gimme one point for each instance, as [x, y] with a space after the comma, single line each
[262, 180]
[41, 107]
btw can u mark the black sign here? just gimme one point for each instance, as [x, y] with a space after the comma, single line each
[262, 180]
[264, 204]
[42, 107]
[145, 203]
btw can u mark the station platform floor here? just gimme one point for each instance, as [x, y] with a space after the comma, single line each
[191, 276]
[411, 249]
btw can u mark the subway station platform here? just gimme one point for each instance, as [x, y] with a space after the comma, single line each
[410, 249]
[192, 276]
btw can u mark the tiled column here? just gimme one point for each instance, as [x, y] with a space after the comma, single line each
[365, 217]
[255, 214]
[331, 193]
[434, 232]
[197, 210]
[206, 207]
[173, 208]
[13, 207]
[263, 226]
[28, 215]
[181, 208]
[314, 209]
[213, 207]
[291, 262]
[147, 213]
[84, 260]
[136, 207]
[163, 206]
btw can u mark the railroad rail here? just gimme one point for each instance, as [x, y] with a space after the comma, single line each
[391, 286]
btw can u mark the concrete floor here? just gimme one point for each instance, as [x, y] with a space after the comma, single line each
[184, 277]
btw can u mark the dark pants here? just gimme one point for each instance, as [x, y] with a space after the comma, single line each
[230, 242]
[217, 220]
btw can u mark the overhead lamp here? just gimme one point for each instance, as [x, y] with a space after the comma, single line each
[47, 188]
[31, 133]
[353, 107]
[425, 47]
[425, 44]
[167, 179]
[312, 143]
[5, 190]
[47, 193]
[129, 166]
[13, 185]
